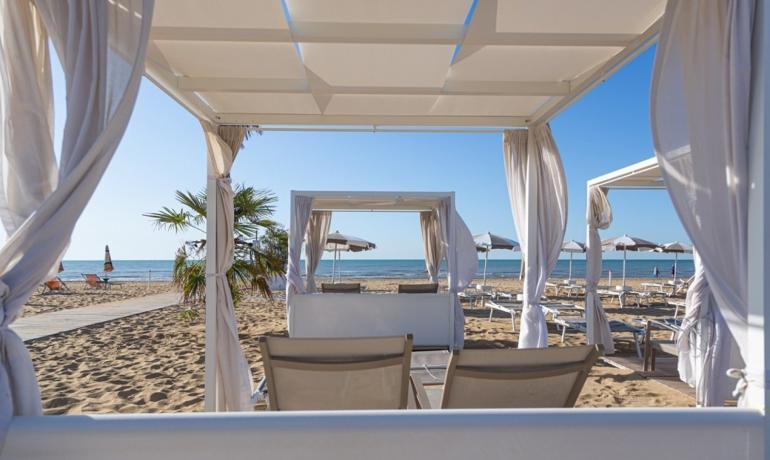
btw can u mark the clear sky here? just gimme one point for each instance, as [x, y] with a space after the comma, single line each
[163, 150]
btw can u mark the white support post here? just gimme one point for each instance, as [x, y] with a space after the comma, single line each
[452, 268]
[758, 359]
[210, 371]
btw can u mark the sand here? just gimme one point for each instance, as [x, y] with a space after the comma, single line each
[79, 295]
[153, 362]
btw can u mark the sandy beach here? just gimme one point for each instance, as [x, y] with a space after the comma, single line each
[153, 362]
[79, 295]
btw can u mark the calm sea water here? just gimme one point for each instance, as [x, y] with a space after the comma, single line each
[139, 270]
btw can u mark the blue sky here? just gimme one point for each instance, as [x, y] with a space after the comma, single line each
[163, 150]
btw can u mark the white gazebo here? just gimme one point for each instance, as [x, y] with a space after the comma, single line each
[507, 66]
[434, 320]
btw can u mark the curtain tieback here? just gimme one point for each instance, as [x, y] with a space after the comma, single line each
[745, 379]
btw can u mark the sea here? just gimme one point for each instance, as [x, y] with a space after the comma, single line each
[160, 270]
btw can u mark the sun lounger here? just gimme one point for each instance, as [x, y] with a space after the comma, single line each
[337, 374]
[579, 324]
[513, 307]
[654, 346]
[511, 378]
[55, 286]
[341, 288]
[621, 294]
[425, 288]
[93, 281]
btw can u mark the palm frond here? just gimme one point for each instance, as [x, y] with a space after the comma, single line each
[171, 219]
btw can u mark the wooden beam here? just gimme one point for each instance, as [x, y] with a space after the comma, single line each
[369, 120]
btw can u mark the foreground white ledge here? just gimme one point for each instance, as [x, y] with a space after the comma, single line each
[574, 434]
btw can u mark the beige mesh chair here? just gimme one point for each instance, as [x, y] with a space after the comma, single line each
[511, 378]
[341, 288]
[337, 374]
[425, 288]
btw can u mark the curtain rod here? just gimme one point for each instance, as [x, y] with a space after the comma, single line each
[375, 130]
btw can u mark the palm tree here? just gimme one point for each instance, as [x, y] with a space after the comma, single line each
[260, 243]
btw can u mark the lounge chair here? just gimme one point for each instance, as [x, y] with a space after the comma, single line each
[654, 346]
[337, 374]
[55, 286]
[93, 281]
[514, 307]
[511, 378]
[425, 288]
[341, 288]
[616, 326]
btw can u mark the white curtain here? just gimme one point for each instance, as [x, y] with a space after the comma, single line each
[532, 155]
[317, 231]
[431, 240]
[102, 82]
[705, 345]
[300, 216]
[462, 262]
[700, 118]
[233, 375]
[598, 216]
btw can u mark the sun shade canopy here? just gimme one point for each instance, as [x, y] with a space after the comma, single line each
[642, 175]
[391, 62]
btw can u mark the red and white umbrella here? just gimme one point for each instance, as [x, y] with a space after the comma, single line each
[108, 267]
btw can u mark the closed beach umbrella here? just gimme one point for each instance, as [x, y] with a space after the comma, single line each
[627, 243]
[486, 242]
[61, 267]
[107, 260]
[676, 248]
[572, 247]
[337, 242]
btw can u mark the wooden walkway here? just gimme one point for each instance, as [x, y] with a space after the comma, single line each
[45, 324]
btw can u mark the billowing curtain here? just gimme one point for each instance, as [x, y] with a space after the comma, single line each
[700, 119]
[598, 216]
[233, 375]
[317, 231]
[462, 262]
[431, 240]
[101, 48]
[531, 157]
[300, 216]
[705, 345]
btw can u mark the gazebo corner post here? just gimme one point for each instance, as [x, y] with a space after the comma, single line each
[758, 270]
[210, 357]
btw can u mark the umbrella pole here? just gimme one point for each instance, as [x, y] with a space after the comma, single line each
[334, 260]
[486, 258]
[570, 267]
[624, 267]
[676, 265]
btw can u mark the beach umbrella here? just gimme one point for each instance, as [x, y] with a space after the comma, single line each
[337, 242]
[61, 267]
[627, 243]
[107, 260]
[676, 248]
[572, 247]
[486, 242]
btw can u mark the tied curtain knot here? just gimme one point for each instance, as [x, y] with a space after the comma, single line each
[745, 379]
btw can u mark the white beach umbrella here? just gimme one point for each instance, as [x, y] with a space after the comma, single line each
[337, 242]
[676, 248]
[486, 242]
[627, 243]
[572, 247]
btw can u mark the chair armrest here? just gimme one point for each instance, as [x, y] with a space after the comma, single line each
[420, 396]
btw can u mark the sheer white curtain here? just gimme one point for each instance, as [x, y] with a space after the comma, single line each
[233, 375]
[532, 157]
[302, 206]
[705, 345]
[700, 118]
[431, 240]
[102, 51]
[317, 231]
[598, 216]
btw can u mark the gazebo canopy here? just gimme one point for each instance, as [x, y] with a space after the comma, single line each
[642, 175]
[387, 62]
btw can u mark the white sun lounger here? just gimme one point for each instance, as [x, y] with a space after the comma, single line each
[512, 307]
[579, 324]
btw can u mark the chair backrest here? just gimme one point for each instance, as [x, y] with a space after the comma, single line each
[91, 279]
[512, 378]
[54, 284]
[337, 374]
[424, 288]
[341, 288]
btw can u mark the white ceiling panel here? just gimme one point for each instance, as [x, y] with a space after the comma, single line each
[578, 16]
[499, 106]
[232, 59]
[378, 65]
[380, 11]
[266, 14]
[261, 103]
[530, 63]
[348, 104]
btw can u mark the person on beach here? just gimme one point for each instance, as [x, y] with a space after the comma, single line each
[656, 272]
